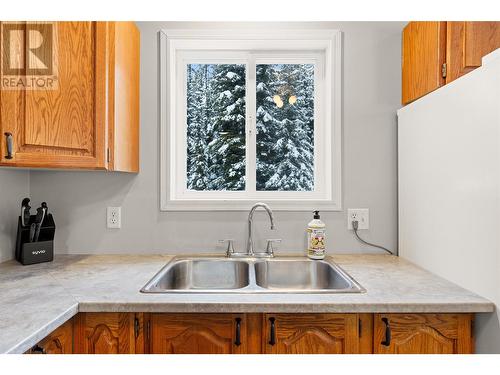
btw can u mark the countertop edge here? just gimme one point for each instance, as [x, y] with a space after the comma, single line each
[44, 331]
[238, 307]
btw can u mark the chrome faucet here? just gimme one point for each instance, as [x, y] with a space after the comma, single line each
[269, 253]
[250, 250]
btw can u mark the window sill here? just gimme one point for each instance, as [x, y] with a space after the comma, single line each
[245, 205]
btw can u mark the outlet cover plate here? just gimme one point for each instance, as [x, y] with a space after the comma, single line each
[114, 217]
[362, 215]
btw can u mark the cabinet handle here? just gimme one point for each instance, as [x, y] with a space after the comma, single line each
[38, 350]
[387, 340]
[9, 140]
[272, 333]
[136, 327]
[237, 340]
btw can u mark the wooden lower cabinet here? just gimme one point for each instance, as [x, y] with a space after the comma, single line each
[108, 333]
[311, 333]
[198, 333]
[58, 342]
[423, 334]
[186, 333]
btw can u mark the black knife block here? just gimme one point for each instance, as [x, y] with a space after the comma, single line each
[35, 252]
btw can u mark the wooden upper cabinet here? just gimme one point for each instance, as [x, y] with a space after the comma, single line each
[423, 334]
[423, 56]
[437, 53]
[468, 42]
[108, 333]
[90, 119]
[123, 137]
[311, 334]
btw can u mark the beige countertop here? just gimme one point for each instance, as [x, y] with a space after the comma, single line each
[35, 300]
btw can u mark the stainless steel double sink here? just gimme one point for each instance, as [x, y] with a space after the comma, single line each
[251, 275]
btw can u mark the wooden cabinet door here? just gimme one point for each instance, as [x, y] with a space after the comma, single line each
[108, 333]
[311, 333]
[66, 126]
[467, 43]
[123, 96]
[198, 333]
[423, 56]
[58, 342]
[423, 334]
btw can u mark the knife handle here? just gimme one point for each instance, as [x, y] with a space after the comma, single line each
[32, 232]
[37, 232]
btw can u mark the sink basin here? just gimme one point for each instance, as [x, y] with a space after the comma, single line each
[207, 274]
[199, 274]
[300, 275]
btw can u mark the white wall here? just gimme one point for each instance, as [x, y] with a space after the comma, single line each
[371, 96]
[14, 186]
[449, 173]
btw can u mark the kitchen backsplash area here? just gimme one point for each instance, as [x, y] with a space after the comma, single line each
[371, 96]
[14, 186]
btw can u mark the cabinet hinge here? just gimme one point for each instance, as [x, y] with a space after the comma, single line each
[360, 326]
[444, 70]
[107, 155]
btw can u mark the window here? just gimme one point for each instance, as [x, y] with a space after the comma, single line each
[250, 117]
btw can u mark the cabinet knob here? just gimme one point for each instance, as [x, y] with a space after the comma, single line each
[38, 350]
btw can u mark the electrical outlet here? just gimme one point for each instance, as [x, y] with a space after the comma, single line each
[362, 215]
[114, 217]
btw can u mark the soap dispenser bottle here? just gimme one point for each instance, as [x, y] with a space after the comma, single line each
[316, 237]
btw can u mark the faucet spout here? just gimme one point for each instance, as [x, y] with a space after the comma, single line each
[250, 249]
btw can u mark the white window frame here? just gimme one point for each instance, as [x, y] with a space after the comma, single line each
[179, 47]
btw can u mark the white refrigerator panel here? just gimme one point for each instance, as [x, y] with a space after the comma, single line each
[449, 186]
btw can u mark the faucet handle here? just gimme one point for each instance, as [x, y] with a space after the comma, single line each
[230, 245]
[270, 248]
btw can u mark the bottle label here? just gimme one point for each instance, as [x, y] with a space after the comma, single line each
[316, 242]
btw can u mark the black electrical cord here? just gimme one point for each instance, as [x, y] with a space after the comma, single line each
[355, 228]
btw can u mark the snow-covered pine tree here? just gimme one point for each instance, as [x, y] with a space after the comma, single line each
[228, 119]
[266, 123]
[198, 160]
[285, 150]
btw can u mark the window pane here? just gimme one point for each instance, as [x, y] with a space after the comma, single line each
[285, 127]
[216, 127]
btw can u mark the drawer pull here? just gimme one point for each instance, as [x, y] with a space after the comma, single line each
[136, 328]
[272, 333]
[387, 340]
[237, 340]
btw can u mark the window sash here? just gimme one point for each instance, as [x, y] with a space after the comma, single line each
[250, 60]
